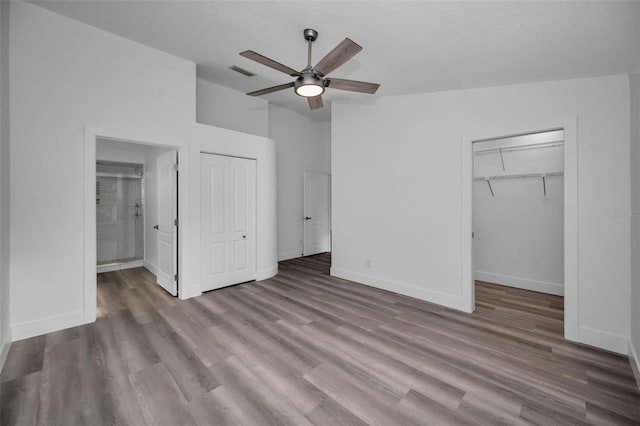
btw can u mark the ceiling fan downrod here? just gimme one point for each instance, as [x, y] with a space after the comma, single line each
[311, 36]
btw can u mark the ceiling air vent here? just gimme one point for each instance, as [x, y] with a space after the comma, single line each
[241, 71]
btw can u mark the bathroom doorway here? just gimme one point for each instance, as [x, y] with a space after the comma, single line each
[136, 210]
[119, 215]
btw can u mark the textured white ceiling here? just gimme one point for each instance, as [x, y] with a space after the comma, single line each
[409, 47]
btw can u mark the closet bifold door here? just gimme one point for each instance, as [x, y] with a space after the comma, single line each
[228, 220]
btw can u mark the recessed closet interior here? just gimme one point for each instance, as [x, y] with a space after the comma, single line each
[518, 211]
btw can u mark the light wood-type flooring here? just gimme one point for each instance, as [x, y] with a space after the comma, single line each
[306, 348]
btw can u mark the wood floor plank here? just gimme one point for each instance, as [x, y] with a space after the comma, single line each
[190, 374]
[307, 348]
[24, 357]
[161, 401]
[61, 396]
[267, 364]
[330, 413]
[366, 402]
[132, 343]
[115, 372]
[267, 404]
[19, 399]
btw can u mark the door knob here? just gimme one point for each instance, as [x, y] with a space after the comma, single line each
[307, 218]
[156, 227]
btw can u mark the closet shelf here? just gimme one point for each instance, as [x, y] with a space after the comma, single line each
[544, 145]
[519, 176]
[542, 176]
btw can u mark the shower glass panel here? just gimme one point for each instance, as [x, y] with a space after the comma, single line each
[119, 210]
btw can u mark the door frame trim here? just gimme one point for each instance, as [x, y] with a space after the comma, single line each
[571, 217]
[89, 270]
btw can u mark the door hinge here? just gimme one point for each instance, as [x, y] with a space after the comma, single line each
[175, 222]
[175, 167]
[175, 277]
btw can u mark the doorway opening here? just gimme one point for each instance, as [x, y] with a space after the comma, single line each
[518, 221]
[136, 211]
[316, 214]
[119, 215]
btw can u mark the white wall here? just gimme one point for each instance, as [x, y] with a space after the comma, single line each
[70, 83]
[122, 152]
[634, 84]
[227, 108]
[519, 231]
[302, 145]
[397, 183]
[5, 337]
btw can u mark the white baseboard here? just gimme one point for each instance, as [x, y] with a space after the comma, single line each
[604, 340]
[523, 283]
[635, 361]
[286, 255]
[46, 325]
[265, 274]
[150, 267]
[4, 351]
[411, 290]
[119, 266]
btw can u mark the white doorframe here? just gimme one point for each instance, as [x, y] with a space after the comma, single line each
[571, 273]
[90, 269]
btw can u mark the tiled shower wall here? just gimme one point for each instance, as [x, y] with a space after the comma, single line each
[119, 229]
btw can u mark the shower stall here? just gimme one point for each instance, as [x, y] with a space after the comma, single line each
[119, 215]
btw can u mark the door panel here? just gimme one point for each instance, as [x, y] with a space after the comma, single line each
[240, 198]
[240, 255]
[218, 204]
[228, 220]
[218, 259]
[167, 217]
[317, 227]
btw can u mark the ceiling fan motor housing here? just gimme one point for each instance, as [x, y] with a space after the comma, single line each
[308, 78]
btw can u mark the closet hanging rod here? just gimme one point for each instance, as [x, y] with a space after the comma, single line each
[545, 145]
[119, 175]
[519, 176]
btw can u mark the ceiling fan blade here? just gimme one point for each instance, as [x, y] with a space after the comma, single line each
[352, 85]
[338, 56]
[271, 89]
[250, 54]
[315, 102]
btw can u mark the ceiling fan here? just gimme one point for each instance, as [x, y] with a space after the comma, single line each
[311, 81]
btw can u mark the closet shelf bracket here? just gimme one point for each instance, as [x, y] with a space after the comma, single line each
[490, 188]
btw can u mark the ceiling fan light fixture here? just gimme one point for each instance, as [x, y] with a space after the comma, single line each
[308, 85]
[310, 82]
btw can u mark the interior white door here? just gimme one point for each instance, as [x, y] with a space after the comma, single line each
[167, 195]
[317, 227]
[228, 220]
